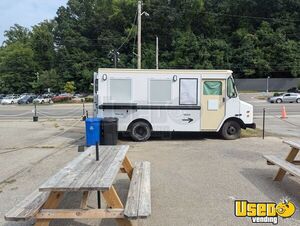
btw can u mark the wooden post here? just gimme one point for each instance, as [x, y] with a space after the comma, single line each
[85, 196]
[127, 166]
[113, 201]
[51, 203]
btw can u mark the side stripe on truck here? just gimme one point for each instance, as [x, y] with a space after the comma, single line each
[146, 107]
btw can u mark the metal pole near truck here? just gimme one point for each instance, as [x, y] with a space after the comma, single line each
[98, 192]
[157, 53]
[264, 122]
[35, 117]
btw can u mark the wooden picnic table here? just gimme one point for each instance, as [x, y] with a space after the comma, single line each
[287, 164]
[85, 174]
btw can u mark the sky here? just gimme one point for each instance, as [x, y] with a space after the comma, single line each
[26, 12]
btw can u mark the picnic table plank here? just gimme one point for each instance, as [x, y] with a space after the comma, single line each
[139, 196]
[145, 192]
[60, 175]
[112, 171]
[85, 173]
[133, 193]
[27, 208]
[96, 176]
[93, 171]
[292, 144]
[284, 165]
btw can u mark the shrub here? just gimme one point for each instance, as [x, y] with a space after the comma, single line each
[277, 94]
[60, 99]
[88, 99]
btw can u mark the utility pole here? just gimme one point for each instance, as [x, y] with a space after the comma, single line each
[139, 60]
[157, 66]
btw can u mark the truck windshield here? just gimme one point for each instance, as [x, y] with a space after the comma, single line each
[231, 89]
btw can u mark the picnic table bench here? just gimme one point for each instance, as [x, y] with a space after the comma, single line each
[85, 174]
[288, 164]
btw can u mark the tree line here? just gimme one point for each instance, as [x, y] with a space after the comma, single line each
[253, 38]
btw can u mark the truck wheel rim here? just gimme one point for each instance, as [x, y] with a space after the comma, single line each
[231, 130]
[141, 131]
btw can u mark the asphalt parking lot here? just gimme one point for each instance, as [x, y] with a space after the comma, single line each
[194, 179]
[274, 124]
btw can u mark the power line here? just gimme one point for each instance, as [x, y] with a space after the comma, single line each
[129, 34]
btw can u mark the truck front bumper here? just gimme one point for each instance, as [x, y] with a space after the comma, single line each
[251, 126]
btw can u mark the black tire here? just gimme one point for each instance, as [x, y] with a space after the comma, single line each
[278, 101]
[298, 101]
[42, 102]
[140, 131]
[231, 130]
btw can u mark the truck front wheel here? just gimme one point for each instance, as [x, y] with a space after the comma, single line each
[231, 130]
[140, 131]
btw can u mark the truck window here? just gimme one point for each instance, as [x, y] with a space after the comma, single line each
[160, 91]
[188, 91]
[212, 88]
[120, 90]
[231, 91]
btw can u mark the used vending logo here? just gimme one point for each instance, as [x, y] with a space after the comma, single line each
[264, 212]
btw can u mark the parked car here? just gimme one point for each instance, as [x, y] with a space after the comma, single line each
[293, 90]
[10, 99]
[2, 97]
[27, 99]
[42, 99]
[285, 98]
[62, 97]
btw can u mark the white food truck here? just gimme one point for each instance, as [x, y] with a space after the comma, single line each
[147, 101]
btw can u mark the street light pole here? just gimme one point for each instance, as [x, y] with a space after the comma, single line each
[139, 55]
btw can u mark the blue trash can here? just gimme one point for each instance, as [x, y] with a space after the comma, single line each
[92, 131]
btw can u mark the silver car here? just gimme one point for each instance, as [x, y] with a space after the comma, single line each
[286, 98]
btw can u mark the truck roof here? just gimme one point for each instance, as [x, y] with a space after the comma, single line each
[163, 71]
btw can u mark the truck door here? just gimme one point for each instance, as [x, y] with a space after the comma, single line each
[212, 103]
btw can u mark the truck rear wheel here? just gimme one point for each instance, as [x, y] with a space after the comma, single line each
[140, 131]
[231, 130]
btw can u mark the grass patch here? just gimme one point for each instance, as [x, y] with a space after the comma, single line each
[262, 97]
[251, 133]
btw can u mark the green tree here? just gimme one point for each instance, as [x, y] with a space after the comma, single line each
[17, 68]
[42, 43]
[70, 87]
[254, 38]
[47, 80]
[17, 33]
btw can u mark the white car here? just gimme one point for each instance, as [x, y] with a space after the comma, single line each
[42, 100]
[10, 100]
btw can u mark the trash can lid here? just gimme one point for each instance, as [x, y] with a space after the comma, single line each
[92, 120]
